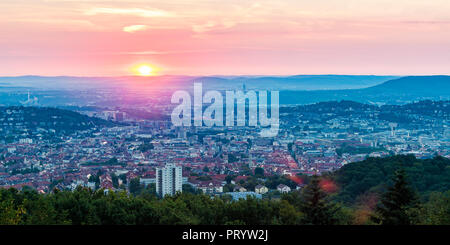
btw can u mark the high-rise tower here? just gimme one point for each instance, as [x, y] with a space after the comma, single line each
[169, 180]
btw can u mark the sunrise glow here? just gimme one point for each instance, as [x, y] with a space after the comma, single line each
[225, 37]
[144, 70]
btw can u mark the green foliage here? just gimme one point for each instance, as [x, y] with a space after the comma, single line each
[259, 172]
[316, 206]
[289, 215]
[373, 174]
[250, 183]
[357, 150]
[145, 147]
[232, 158]
[312, 205]
[123, 177]
[204, 178]
[115, 180]
[84, 206]
[187, 188]
[62, 121]
[9, 214]
[290, 146]
[228, 188]
[229, 178]
[149, 192]
[273, 181]
[437, 210]
[398, 204]
[135, 186]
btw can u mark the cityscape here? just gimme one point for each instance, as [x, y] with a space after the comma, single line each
[111, 149]
[234, 121]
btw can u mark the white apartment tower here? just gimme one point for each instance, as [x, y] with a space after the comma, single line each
[169, 180]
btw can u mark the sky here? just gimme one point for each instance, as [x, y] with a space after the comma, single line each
[224, 37]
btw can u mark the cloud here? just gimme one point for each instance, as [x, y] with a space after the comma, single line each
[151, 52]
[212, 25]
[155, 52]
[204, 27]
[135, 28]
[141, 12]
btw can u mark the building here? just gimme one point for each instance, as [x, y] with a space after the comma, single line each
[260, 189]
[239, 188]
[26, 141]
[169, 180]
[147, 181]
[211, 187]
[283, 188]
[243, 195]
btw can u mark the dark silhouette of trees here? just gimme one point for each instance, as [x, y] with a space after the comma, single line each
[135, 186]
[312, 205]
[259, 172]
[398, 204]
[316, 205]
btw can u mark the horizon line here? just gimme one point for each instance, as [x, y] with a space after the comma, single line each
[218, 75]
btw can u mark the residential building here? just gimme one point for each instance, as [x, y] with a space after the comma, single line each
[260, 189]
[283, 188]
[169, 180]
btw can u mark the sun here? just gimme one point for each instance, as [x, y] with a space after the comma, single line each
[145, 70]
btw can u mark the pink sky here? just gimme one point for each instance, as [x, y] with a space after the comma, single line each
[226, 37]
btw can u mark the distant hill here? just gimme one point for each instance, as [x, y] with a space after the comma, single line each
[409, 114]
[45, 120]
[107, 91]
[398, 91]
[297, 82]
[298, 89]
[419, 85]
[294, 83]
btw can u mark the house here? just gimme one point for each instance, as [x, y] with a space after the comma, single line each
[239, 189]
[283, 188]
[211, 187]
[260, 189]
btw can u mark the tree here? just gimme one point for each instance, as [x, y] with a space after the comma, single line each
[232, 158]
[372, 175]
[250, 143]
[9, 214]
[229, 178]
[146, 147]
[290, 146]
[187, 188]
[150, 191]
[316, 207]
[135, 186]
[288, 214]
[115, 180]
[123, 177]
[398, 204]
[259, 172]
[437, 210]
